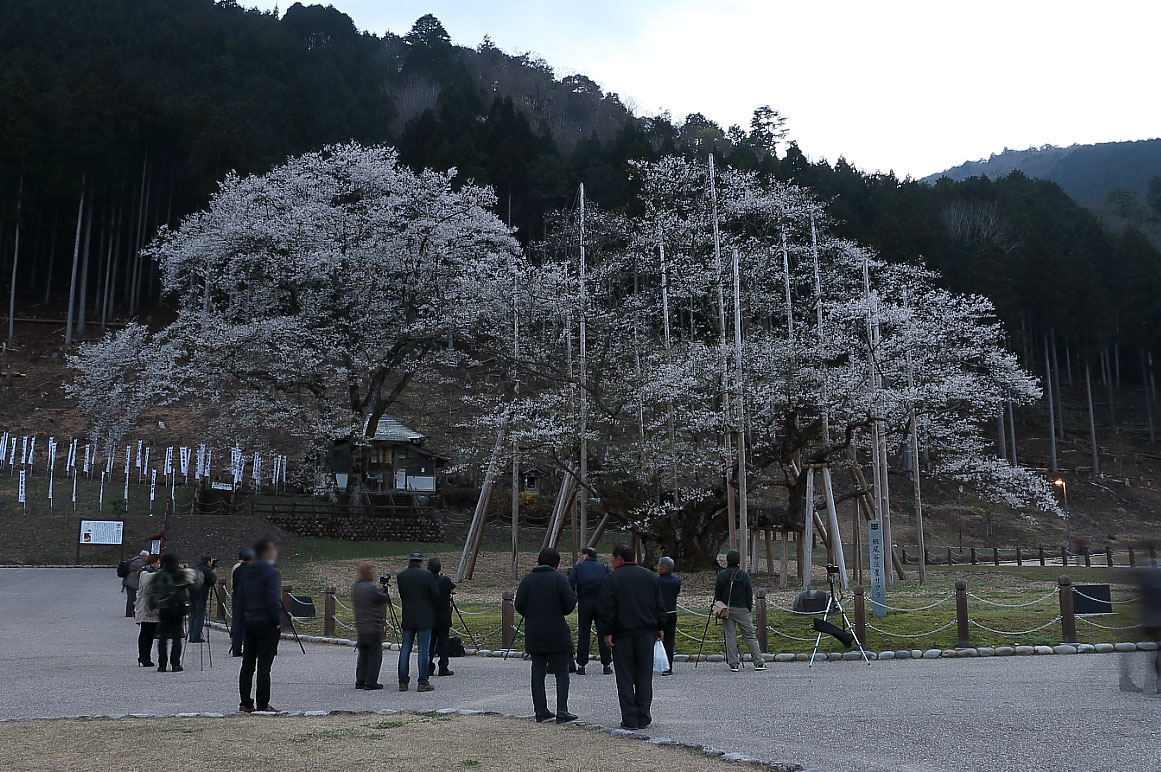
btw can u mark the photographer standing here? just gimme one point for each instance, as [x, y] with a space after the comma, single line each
[169, 591]
[586, 577]
[418, 593]
[237, 629]
[370, 602]
[734, 590]
[544, 599]
[441, 633]
[199, 597]
[258, 595]
[130, 582]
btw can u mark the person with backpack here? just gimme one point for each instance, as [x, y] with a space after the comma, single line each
[169, 593]
[146, 617]
[200, 597]
[734, 604]
[128, 571]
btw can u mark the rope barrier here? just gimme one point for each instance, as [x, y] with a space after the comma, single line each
[1014, 633]
[697, 614]
[342, 605]
[1107, 627]
[298, 599]
[904, 609]
[476, 613]
[912, 635]
[1014, 605]
[792, 611]
[788, 635]
[1102, 600]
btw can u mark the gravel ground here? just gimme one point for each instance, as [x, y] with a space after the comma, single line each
[333, 744]
[66, 651]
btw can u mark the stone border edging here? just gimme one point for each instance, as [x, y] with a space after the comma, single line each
[706, 750]
[834, 656]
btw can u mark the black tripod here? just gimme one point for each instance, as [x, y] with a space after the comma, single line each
[385, 582]
[290, 624]
[464, 622]
[843, 633]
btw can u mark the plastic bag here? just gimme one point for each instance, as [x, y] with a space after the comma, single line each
[660, 659]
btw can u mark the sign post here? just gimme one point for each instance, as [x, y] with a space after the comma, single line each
[878, 568]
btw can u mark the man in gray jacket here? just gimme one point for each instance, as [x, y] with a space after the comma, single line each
[132, 581]
[369, 601]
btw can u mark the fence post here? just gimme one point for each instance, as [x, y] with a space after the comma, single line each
[949, 560]
[973, 556]
[1019, 557]
[1064, 556]
[1042, 556]
[926, 557]
[996, 555]
[860, 614]
[1153, 552]
[1087, 558]
[760, 619]
[903, 558]
[962, 633]
[286, 589]
[1132, 558]
[507, 619]
[329, 612]
[220, 593]
[1109, 556]
[1067, 614]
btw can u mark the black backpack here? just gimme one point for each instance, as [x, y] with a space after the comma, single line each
[455, 647]
[123, 569]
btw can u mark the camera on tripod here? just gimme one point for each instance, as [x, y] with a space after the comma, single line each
[385, 580]
[832, 569]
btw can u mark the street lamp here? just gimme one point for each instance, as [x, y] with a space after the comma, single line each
[1067, 512]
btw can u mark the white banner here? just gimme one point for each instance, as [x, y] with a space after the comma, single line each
[88, 466]
[20, 492]
[24, 450]
[31, 450]
[138, 464]
[101, 494]
[12, 452]
[128, 456]
[169, 461]
[74, 489]
[101, 531]
[152, 485]
[183, 455]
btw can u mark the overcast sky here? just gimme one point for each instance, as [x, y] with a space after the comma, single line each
[913, 87]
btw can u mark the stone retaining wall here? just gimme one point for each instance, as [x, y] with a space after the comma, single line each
[405, 528]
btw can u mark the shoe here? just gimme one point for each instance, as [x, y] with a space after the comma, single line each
[667, 672]
[373, 687]
[176, 669]
[563, 717]
[359, 685]
[196, 640]
[543, 717]
[1127, 685]
[645, 723]
[608, 670]
[630, 727]
[444, 673]
[425, 688]
[403, 686]
[580, 670]
[734, 668]
[572, 667]
[268, 709]
[146, 663]
[161, 668]
[760, 667]
[244, 708]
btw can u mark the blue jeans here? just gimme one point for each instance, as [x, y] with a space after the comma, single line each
[423, 640]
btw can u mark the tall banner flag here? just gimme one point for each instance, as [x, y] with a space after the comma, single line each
[31, 451]
[152, 488]
[169, 461]
[183, 454]
[128, 456]
[24, 450]
[138, 464]
[101, 494]
[12, 453]
[74, 490]
[88, 467]
[21, 490]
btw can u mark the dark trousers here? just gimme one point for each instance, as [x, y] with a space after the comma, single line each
[237, 633]
[258, 652]
[370, 657]
[633, 658]
[197, 619]
[145, 641]
[670, 638]
[586, 615]
[169, 629]
[542, 664]
[130, 600]
[440, 637]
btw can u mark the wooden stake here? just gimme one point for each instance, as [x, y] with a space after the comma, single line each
[836, 536]
[476, 529]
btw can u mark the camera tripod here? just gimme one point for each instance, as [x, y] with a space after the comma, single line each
[386, 585]
[464, 622]
[833, 603]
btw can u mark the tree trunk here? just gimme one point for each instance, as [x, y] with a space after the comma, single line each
[1052, 463]
[1108, 370]
[1096, 467]
[83, 296]
[1001, 433]
[76, 257]
[1012, 433]
[51, 258]
[15, 264]
[1148, 396]
[1056, 385]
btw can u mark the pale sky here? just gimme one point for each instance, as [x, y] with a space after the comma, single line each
[913, 87]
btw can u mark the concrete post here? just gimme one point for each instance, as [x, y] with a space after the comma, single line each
[329, 612]
[1067, 612]
[1041, 556]
[860, 614]
[760, 619]
[508, 619]
[962, 631]
[1109, 556]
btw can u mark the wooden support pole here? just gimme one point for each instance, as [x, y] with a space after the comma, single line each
[1019, 557]
[1067, 611]
[769, 534]
[973, 556]
[808, 533]
[507, 619]
[599, 531]
[784, 568]
[996, 555]
[962, 633]
[1041, 556]
[760, 619]
[1132, 558]
[1087, 558]
[860, 615]
[799, 555]
[329, 612]
[476, 529]
[1109, 556]
[836, 536]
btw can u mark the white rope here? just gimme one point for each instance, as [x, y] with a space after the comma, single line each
[342, 605]
[475, 613]
[300, 600]
[687, 635]
[792, 611]
[1107, 627]
[939, 602]
[342, 624]
[787, 635]
[1014, 605]
[911, 635]
[1102, 600]
[692, 612]
[1014, 633]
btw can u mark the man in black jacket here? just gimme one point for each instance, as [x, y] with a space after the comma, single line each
[544, 599]
[370, 601]
[441, 633]
[418, 593]
[200, 597]
[585, 578]
[259, 603]
[632, 617]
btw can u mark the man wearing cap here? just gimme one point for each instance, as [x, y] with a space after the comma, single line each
[734, 589]
[132, 580]
[419, 594]
[585, 578]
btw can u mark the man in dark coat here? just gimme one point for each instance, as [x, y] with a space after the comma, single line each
[585, 578]
[670, 589]
[441, 633]
[237, 629]
[544, 599]
[418, 593]
[632, 618]
[258, 598]
[369, 601]
[200, 597]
